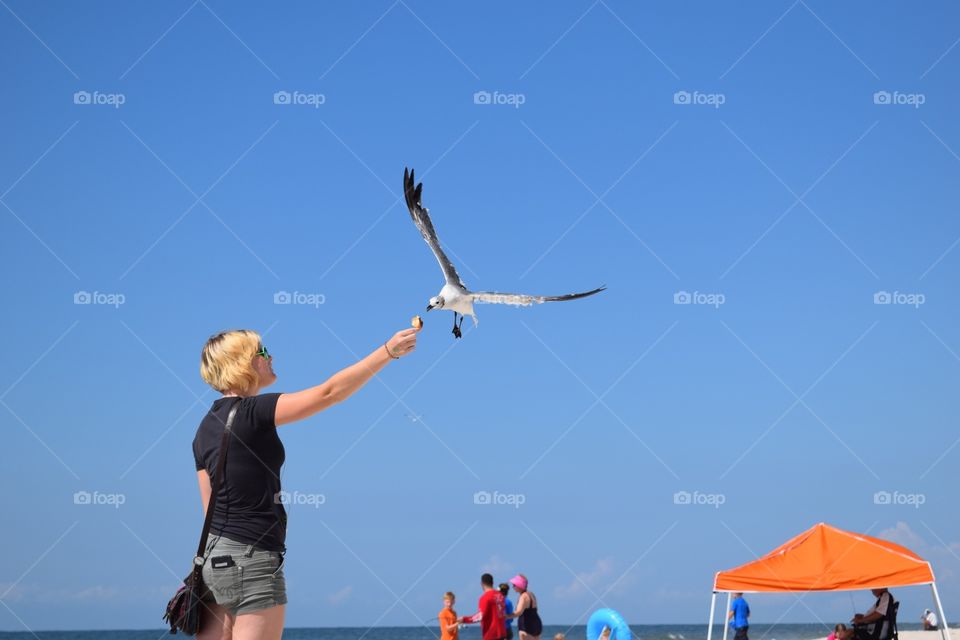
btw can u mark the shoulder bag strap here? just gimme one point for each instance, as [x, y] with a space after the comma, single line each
[215, 486]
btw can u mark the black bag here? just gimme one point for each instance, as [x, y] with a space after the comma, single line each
[184, 609]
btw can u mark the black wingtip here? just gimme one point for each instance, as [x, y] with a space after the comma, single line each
[409, 189]
[602, 287]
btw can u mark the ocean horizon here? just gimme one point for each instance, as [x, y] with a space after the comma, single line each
[759, 631]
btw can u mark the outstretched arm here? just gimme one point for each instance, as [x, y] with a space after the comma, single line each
[341, 385]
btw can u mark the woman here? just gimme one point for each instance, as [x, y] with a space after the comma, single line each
[529, 625]
[243, 564]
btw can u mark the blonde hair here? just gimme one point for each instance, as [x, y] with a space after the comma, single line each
[449, 596]
[226, 362]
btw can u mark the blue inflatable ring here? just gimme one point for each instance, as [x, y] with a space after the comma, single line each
[601, 618]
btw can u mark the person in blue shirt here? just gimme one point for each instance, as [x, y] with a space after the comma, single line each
[738, 617]
[508, 606]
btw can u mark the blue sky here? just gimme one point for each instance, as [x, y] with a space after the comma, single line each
[778, 165]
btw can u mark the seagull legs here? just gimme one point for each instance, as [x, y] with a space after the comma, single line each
[456, 327]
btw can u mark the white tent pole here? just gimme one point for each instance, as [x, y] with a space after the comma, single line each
[726, 613]
[944, 627]
[713, 608]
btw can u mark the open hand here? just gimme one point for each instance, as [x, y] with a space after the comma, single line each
[402, 342]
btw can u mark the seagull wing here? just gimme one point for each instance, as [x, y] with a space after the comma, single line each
[523, 300]
[421, 218]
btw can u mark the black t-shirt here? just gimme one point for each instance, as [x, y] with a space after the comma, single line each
[249, 508]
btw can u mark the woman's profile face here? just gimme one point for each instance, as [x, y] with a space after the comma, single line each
[264, 367]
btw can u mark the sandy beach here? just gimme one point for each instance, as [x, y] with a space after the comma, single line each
[928, 635]
[914, 634]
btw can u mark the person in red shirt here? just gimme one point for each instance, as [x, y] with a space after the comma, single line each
[491, 611]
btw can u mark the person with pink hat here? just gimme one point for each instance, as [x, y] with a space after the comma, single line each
[529, 624]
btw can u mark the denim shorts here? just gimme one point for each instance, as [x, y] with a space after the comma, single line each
[242, 578]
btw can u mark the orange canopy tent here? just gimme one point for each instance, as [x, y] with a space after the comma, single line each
[825, 558]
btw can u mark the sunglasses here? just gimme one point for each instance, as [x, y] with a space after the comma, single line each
[263, 352]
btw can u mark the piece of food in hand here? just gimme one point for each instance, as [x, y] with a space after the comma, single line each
[417, 322]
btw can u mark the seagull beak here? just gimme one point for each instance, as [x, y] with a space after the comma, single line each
[429, 306]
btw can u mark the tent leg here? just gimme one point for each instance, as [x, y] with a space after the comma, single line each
[713, 608]
[726, 613]
[944, 627]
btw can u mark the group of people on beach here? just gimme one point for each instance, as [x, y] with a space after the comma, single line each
[496, 613]
[878, 623]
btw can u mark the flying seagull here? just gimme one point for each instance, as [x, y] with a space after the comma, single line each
[454, 295]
